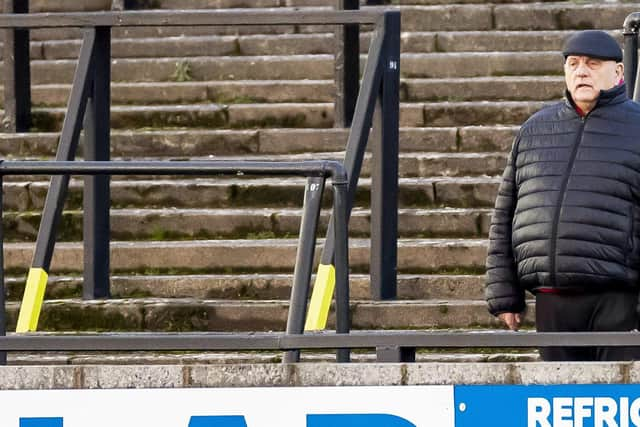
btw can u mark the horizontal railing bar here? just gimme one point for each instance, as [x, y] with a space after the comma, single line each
[191, 18]
[280, 341]
[203, 167]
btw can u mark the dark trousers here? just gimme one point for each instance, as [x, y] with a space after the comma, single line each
[584, 312]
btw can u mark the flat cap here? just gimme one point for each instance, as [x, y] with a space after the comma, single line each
[594, 44]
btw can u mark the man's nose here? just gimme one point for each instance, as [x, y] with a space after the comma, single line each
[582, 69]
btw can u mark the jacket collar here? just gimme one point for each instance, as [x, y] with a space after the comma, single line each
[615, 95]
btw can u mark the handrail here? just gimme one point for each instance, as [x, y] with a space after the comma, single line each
[324, 168]
[376, 116]
[311, 169]
[207, 341]
[192, 18]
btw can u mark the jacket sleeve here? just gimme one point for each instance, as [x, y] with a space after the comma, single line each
[502, 292]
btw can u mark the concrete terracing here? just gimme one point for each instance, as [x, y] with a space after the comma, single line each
[195, 254]
[313, 374]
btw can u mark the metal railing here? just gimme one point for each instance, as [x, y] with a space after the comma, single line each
[631, 28]
[315, 171]
[377, 107]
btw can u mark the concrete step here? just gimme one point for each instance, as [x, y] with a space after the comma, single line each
[306, 44]
[159, 224]
[236, 116]
[263, 256]
[252, 286]
[222, 92]
[518, 88]
[480, 64]
[190, 315]
[563, 15]
[39, 6]
[203, 142]
[295, 115]
[264, 357]
[460, 192]
[299, 67]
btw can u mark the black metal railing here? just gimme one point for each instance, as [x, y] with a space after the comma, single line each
[315, 171]
[631, 28]
[377, 104]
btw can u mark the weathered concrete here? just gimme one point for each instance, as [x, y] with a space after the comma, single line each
[303, 374]
[266, 192]
[221, 142]
[562, 16]
[267, 286]
[157, 224]
[194, 315]
[484, 89]
[266, 255]
[480, 64]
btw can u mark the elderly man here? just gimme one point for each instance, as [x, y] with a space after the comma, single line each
[566, 220]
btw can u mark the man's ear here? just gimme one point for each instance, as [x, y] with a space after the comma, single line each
[620, 70]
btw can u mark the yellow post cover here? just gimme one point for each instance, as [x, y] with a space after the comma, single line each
[321, 298]
[32, 300]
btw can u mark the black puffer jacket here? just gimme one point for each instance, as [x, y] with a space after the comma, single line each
[567, 212]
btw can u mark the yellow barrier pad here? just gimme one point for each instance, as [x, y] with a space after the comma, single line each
[32, 300]
[321, 298]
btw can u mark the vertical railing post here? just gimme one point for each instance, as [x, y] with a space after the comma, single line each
[341, 236]
[3, 316]
[17, 74]
[96, 197]
[304, 261]
[347, 67]
[630, 31]
[384, 169]
[630, 61]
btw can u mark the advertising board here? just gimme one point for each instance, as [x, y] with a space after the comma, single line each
[586, 405]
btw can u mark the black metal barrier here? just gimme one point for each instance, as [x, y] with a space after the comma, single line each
[316, 173]
[89, 102]
[631, 29]
[391, 346]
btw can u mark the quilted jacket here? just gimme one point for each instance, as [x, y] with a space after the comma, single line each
[567, 212]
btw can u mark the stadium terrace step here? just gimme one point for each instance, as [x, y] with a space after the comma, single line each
[562, 15]
[480, 64]
[520, 88]
[206, 193]
[305, 44]
[39, 6]
[209, 115]
[205, 68]
[152, 358]
[277, 91]
[201, 142]
[297, 67]
[160, 224]
[253, 286]
[238, 256]
[295, 115]
[223, 92]
[190, 315]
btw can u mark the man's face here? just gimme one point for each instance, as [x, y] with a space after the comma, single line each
[586, 77]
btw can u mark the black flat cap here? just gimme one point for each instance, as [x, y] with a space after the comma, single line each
[594, 44]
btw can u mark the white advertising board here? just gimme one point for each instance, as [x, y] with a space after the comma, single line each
[231, 407]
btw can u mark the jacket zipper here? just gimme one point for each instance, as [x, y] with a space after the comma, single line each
[561, 196]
